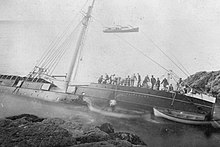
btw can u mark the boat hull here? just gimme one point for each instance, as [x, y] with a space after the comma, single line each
[143, 99]
[130, 98]
[38, 94]
[117, 112]
[121, 30]
[159, 113]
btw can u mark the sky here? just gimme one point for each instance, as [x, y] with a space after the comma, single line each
[186, 31]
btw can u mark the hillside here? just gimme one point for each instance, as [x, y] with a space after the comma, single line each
[205, 81]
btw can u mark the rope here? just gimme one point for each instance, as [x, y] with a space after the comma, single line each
[151, 58]
[164, 54]
[144, 53]
[68, 44]
[134, 47]
[58, 49]
[57, 39]
[141, 52]
[62, 48]
[181, 64]
[54, 49]
[53, 44]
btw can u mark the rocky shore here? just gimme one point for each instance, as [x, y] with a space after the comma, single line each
[31, 131]
[205, 81]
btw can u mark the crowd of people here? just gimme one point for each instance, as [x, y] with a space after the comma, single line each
[146, 82]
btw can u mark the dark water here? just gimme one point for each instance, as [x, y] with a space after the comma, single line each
[155, 132]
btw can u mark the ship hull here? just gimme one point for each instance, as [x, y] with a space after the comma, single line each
[143, 99]
[38, 94]
[38, 89]
[130, 98]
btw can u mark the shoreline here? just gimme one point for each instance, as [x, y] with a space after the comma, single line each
[31, 130]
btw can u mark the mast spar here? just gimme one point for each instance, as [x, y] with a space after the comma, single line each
[74, 63]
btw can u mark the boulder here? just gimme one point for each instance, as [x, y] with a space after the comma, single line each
[132, 138]
[27, 117]
[108, 143]
[107, 128]
[24, 131]
[208, 82]
[94, 135]
[28, 130]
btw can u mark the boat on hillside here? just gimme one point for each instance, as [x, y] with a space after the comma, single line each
[41, 84]
[121, 29]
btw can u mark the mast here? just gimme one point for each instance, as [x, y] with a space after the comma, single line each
[73, 64]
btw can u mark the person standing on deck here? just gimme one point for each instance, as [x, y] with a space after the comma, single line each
[158, 84]
[100, 79]
[179, 84]
[111, 79]
[145, 82]
[139, 80]
[115, 80]
[126, 82]
[129, 81]
[133, 78]
[122, 83]
[106, 79]
[119, 81]
[153, 81]
[165, 83]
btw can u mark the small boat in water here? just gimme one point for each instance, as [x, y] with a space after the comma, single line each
[120, 29]
[182, 116]
[118, 112]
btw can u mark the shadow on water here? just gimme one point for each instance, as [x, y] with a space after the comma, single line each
[154, 131]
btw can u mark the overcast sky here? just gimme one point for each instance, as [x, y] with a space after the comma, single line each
[186, 30]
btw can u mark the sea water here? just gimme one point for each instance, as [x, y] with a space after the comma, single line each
[155, 132]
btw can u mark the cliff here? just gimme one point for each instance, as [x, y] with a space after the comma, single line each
[208, 82]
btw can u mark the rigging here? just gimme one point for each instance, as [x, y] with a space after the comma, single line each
[56, 48]
[134, 47]
[186, 73]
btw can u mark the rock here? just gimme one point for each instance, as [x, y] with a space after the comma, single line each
[21, 132]
[28, 130]
[109, 143]
[4, 122]
[76, 129]
[132, 138]
[28, 117]
[55, 121]
[76, 101]
[205, 81]
[94, 135]
[120, 143]
[107, 128]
